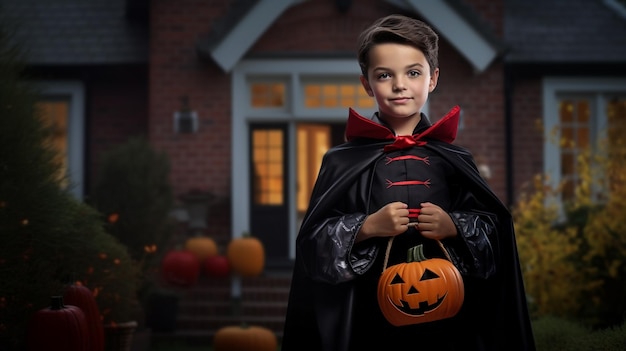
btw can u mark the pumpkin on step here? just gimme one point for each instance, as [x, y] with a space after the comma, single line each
[217, 266]
[420, 290]
[244, 338]
[181, 268]
[201, 246]
[246, 255]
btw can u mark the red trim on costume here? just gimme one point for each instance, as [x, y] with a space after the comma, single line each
[444, 129]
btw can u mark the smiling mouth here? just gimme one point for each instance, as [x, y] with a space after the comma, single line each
[400, 99]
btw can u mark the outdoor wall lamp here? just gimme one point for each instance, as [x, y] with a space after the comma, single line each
[185, 120]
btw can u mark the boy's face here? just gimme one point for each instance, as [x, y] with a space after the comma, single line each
[399, 79]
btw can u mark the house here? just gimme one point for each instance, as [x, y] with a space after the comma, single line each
[245, 96]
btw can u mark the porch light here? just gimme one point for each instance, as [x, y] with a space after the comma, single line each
[185, 120]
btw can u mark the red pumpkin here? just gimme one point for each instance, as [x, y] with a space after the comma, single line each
[420, 290]
[217, 266]
[58, 327]
[246, 255]
[180, 267]
[81, 297]
[244, 338]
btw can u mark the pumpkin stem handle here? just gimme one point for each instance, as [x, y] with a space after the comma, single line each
[414, 254]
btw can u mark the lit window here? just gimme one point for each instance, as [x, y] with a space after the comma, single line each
[268, 166]
[313, 142]
[55, 116]
[330, 95]
[574, 114]
[264, 95]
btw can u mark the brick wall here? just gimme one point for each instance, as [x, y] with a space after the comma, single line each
[528, 135]
[118, 100]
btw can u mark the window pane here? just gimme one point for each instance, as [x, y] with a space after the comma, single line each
[340, 95]
[313, 141]
[267, 94]
[268, 166]
[616, 115]
[568, 164]
[55, 115]
[575, 127]
[566, 110]
[582, 112]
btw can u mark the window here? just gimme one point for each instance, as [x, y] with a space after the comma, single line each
[579, 116]
[55, 115]
[332, 95]
[575, 129]
[62, 106]
[267, 162]
[313, 142]
[267, 94]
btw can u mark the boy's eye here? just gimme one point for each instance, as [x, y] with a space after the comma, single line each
[384, 75]
[414, 73]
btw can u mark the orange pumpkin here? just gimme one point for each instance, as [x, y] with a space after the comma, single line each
[420, 290]
[201, 246]
[246, 256]
[244, 338]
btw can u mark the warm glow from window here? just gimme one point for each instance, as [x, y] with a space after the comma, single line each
[268, 166]
[313, 142]
[575, 117]
[331, 95]
[55, 115]
[264, 95]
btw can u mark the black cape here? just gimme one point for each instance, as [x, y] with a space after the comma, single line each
[319, 312]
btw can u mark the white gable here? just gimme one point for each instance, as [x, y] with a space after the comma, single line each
[470, 43]
[232, 48]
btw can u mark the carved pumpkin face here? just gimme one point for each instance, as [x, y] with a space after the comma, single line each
[420, 291]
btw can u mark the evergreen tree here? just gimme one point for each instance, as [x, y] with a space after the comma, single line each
[46, 235]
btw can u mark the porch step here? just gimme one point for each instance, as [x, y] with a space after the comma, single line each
[209, 306]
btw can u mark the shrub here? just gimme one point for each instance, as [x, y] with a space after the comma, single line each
[133, 191]
[574, 259]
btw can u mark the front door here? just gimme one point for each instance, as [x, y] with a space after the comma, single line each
[271, 208]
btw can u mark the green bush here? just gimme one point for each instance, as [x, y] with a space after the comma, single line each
[133, 190]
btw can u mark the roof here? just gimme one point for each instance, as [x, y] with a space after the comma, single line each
[574, 31]
[73, 32]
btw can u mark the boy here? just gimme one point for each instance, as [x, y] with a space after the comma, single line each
[399, 177]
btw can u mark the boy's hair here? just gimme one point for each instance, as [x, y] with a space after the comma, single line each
[401, 30]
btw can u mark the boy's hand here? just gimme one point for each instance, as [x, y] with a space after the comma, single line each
[435, 223]
[390, 220]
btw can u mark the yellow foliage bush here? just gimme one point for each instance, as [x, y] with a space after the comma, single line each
[574, 257]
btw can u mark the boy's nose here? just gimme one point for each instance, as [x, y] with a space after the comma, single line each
[398, 85]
